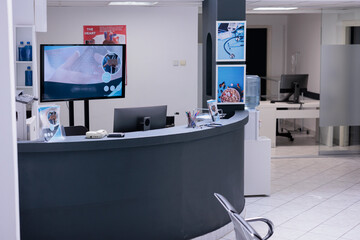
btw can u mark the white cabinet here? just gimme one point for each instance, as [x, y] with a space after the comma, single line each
[257, 167]
[257, 159]
[26, 33]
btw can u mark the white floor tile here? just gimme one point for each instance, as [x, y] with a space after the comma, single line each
[272, 202]
[316, 236]
[353, 234]
[312, 199]
[257, 210]
[330, 230]
[230, 236]
[301, 223]
[287, 233]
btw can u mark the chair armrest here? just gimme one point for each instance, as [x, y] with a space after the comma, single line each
[267, 221]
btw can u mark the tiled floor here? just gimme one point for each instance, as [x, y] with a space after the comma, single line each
[312, 198]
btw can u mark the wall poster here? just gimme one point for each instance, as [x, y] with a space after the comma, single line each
[230, 40]
[230, 84]
[105, 34]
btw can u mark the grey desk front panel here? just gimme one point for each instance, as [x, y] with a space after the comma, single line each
[150, 185]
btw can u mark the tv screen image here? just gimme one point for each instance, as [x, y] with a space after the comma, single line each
[77, 72]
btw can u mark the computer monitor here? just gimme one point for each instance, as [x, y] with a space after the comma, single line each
[140, 118]
[293, 84]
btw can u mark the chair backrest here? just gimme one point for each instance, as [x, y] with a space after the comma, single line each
[226, 204]
[243, 230]
[75, 130]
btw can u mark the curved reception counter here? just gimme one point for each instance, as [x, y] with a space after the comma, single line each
[157, 184]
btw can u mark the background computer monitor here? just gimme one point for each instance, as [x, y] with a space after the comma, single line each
[294, 84]
[130, 119]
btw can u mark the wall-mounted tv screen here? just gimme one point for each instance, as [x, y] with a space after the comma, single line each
[78, 72]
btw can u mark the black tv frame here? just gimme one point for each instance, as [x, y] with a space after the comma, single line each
[75, 99]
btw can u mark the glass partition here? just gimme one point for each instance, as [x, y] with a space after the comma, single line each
[340, 82]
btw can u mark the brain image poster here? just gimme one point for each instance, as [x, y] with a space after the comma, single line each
[230, 84]
[107, 34]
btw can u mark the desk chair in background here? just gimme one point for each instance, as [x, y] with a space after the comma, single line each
[294, 85]
[283, 134]
[243, 230]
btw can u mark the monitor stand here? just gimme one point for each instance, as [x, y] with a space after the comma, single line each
[86, 113]
[296, 93]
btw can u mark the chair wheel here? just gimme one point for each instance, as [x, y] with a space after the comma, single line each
[291, 139]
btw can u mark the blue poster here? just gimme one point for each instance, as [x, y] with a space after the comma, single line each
[230, 84]
[231, 40]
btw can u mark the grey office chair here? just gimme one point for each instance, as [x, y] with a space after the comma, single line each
[243, 230]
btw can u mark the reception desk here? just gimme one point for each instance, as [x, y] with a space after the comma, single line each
[157, 184]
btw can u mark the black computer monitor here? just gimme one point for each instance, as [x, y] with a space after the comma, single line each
[139, 119]
[293, 84]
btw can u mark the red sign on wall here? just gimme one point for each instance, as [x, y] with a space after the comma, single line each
[105, 34]
[108, 34]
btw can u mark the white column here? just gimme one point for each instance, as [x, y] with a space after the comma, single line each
[9, 197]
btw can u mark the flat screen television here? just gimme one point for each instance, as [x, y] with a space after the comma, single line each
[80, 72]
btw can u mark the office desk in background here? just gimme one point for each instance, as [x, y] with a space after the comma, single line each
[270, 112]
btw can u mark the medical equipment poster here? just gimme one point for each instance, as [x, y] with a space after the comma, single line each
[230, 84]
[107, 34]
[231, 40]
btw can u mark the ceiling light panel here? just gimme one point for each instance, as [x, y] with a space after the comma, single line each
[133, 3]
[275, 8]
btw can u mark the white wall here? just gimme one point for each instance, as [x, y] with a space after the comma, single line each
[155, 37]
[304, 36]
[23, 12]
[335, 22]
[289, 34]
[9, 198]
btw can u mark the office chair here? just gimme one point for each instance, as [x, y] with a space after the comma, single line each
[281, 134]
[243, 230]
[75, 130]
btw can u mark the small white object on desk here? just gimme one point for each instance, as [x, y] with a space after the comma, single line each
[96, 134]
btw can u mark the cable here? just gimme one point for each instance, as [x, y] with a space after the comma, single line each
[238, 39]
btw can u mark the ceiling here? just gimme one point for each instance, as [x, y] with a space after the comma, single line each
[305, 6]
[68, 3]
